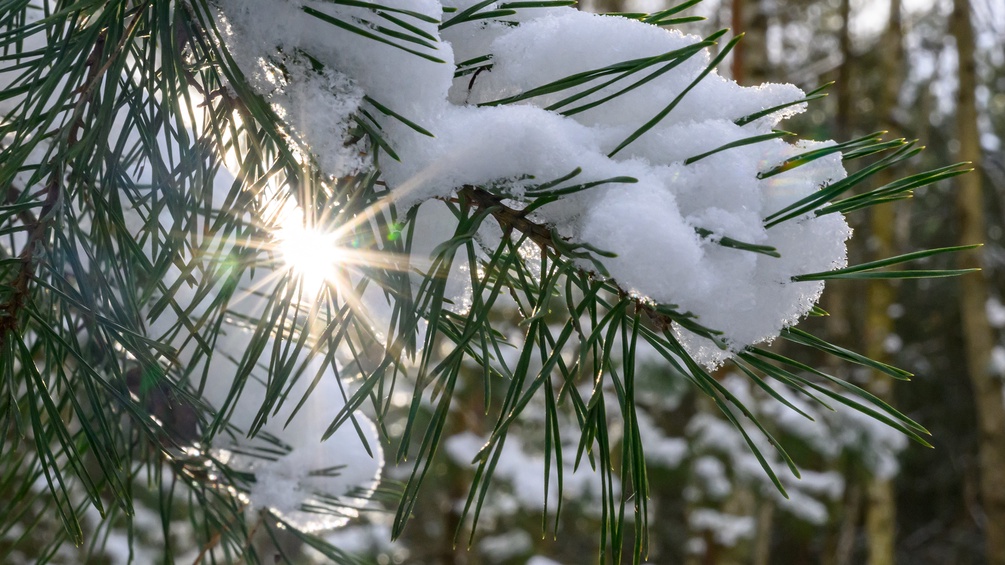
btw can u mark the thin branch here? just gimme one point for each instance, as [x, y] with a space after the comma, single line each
[10, 310]
[38, 228]
[511, 219]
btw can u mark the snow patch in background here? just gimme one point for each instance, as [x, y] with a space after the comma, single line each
[995, 311]
[525, 472]
[998, 361]
[727, 529]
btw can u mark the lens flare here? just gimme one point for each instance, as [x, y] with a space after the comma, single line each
[311, 252]
[321, 252]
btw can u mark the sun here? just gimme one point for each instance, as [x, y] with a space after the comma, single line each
[322, 253]
[312, 253]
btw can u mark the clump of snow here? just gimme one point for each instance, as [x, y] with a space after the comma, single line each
[652, 225]
[296, 99]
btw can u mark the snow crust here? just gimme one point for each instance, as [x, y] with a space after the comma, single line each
[651, 225]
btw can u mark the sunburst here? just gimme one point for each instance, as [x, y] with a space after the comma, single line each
[312, 252]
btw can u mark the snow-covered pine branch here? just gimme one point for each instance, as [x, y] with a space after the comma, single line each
[261, 223]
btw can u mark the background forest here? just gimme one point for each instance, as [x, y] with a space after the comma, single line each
[932, 70]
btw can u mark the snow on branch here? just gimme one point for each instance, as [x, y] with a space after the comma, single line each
[515, 101]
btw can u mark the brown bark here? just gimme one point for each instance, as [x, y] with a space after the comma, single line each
[839, 298]
[881, 521]
[845, 544]
[977, 333]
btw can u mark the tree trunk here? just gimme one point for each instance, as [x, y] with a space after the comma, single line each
[977, 333]
[881, 510]
[750, 56]
[844, 547]
[839, 298]
[765, 529]
[843, 95]
[606, 6]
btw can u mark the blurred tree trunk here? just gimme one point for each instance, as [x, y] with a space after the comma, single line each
[844, 88]
[977, 332]
[839, 300]
[751, 66]
[836, 302]
[851, 508]
[881, 509]
[605, 6]
[750, 56]
[762, 536]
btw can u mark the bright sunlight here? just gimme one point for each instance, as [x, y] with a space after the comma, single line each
[313, 254]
